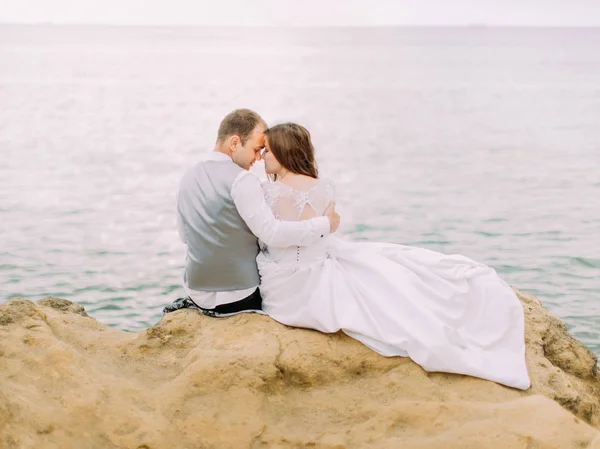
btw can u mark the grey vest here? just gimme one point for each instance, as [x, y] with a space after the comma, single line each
[222, 250]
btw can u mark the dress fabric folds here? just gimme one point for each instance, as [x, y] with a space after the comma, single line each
[448, 313]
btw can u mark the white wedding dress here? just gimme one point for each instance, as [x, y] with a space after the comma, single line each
[446, 312]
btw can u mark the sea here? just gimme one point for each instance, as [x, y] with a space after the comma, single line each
[481, 141]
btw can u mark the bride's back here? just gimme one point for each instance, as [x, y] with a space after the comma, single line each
[300, 199]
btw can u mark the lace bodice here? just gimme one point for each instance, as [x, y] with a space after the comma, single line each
[290, 204]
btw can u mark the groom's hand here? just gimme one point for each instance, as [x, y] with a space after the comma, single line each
[334, 217]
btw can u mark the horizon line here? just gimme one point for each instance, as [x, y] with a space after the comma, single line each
[204, 25]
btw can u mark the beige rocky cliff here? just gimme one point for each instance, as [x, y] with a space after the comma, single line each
[68, 381]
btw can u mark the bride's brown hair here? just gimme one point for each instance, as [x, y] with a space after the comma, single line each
[291, 145]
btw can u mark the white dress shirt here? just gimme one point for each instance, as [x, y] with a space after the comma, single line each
[248, 198]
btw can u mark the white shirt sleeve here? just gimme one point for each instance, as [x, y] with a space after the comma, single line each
[180, 227]
[247, 195]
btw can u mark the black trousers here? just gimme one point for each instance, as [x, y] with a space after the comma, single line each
[251, 302]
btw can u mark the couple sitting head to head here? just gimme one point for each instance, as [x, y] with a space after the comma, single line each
[286, 148]
[223, 211]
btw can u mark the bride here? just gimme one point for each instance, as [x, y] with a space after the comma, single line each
[446, 312]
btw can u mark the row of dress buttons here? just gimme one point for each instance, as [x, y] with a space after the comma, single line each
[296, 268]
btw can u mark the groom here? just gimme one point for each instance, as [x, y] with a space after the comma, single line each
[222, 211]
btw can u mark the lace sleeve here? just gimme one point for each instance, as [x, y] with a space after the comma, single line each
[329, 187]
[321, 195]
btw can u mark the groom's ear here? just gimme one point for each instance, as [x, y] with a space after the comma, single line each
[233, 141]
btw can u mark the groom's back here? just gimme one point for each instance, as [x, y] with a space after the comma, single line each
[221, 247]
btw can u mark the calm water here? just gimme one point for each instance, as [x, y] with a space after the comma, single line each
[484, 142]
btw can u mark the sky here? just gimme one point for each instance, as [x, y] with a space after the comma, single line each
[304, 12]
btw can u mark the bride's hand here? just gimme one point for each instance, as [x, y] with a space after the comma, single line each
[334, 217]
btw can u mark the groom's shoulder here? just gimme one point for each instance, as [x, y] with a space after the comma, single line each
[211, 167]
[208, 175]
[246, 178]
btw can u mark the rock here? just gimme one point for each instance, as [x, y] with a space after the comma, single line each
[564, 369]
[246, 381]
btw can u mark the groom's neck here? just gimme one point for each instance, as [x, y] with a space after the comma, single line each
[222, 149]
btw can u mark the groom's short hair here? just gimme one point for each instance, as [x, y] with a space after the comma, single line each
[240, 122]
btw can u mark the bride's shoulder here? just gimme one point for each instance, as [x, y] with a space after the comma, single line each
[270, 188]
[327, 184]
[277, 188]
